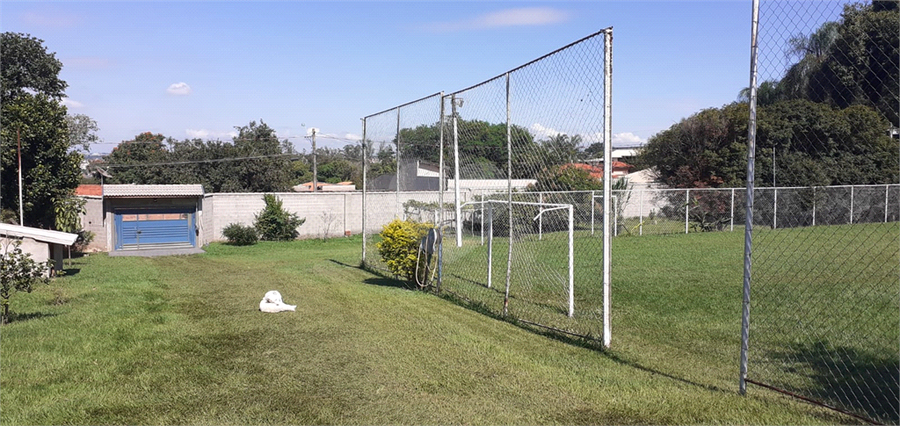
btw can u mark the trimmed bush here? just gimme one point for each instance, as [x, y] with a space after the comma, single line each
[274, 223]
[240, 235]
[399, 247]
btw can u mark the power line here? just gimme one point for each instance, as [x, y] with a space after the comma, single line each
[216, 160]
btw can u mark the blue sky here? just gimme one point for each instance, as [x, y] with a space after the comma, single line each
[198, 69]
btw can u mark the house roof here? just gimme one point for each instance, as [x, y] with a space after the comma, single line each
[154, 191]
[37, 234]
[89, 189]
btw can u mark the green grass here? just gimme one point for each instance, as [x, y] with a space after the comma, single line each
[179, 340]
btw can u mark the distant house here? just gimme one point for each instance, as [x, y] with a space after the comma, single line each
[415, 175]
[619, 169]
[41, 244]
[325, 187]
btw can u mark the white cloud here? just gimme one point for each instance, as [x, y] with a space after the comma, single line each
[353, 137]
[69, 103]
[309, 131]
[526, 16]
[541, 132]
[179, 89]
[208, 134]
[627, 139]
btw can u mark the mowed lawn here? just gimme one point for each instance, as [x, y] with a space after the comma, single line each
[180, 340]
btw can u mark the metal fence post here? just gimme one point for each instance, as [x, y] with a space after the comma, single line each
[687, 208]
[748, 220]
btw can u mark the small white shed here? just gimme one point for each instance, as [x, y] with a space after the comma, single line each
[41, 244]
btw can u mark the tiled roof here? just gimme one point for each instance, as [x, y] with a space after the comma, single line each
[155, 191]
[86, 189]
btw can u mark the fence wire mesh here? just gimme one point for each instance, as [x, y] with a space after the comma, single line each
[516, 215]
[825, 296]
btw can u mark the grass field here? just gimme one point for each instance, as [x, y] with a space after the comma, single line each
[179, 340]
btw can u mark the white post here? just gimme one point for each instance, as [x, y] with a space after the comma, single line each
[814, 206]
[592, 212]
[641, 214]
[687, 208]
[607, 182]
[571, 262]
[732, 209]
[490, 244]
[886, 203]
[775, 209]
[400, 212]
[364, 183]
[851, 205]
[540, 218]
[459, 229]
[481, 231]
[615, 215]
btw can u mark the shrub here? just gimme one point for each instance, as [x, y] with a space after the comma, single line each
[274, 223]
[399, 247]
[240, 235]
[18, 271]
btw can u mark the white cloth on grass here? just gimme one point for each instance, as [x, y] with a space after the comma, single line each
[272, 302]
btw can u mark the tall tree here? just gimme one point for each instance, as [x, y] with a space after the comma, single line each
[30, 112]
[25, 65]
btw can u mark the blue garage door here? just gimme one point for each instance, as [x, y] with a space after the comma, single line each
[148, 229]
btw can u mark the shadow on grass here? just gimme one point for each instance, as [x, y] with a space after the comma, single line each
[68, 272]
[854, 380]
[593, 343]
[27, 316]
[383, 279]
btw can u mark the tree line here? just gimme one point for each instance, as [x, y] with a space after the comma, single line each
[827, 121]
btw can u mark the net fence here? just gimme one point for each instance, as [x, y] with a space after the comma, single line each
[825, 298]
[508, 169]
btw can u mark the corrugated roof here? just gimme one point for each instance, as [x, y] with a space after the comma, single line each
[155, 191]
[44, 235]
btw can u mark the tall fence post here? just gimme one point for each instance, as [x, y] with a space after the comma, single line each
[541, 218]
[458, 218]
[571, 261]
[748, 220]
[607, 182]
[365, 160]
[775, 208]
[851, 205]
[399, 204]
[687, 209]
[490, 244]
[886, 187]
[593, 208]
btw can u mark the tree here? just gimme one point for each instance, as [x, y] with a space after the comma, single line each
[18, 272]
[707, 149]
[50, 170]
[82, 131]
[30, 91]
[139, 161]
[274, 223]
[767, 93]
[26, 66]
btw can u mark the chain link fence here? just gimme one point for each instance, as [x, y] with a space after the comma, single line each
[501, 168]
[822, 296]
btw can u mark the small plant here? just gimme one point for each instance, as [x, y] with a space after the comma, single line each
[274, 223]
[240, 235]
[399, 247]
[18, 272]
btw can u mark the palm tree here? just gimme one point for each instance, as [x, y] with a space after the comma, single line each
[810, 52]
